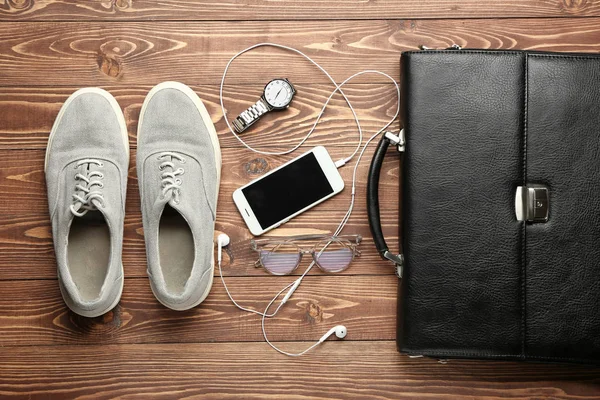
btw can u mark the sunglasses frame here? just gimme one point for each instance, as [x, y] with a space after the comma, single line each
[348, 241]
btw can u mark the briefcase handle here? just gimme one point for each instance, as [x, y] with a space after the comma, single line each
[373, 197]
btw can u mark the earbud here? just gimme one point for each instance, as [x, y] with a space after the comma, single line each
[339, 330]
[222, 241]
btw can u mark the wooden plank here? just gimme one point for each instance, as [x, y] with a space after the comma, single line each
[27, 113]
[26, 250]
[365, 370]
[214, 351]
[33, 313]
[299, 9]
[192, 52]
[22, 182]
[196, 52]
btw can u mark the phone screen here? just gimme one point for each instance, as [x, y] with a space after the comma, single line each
[287, 191]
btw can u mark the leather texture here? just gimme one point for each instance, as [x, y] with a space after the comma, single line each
[477, 282]
[562, 286]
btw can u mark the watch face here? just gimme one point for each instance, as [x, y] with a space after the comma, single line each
[279, 93]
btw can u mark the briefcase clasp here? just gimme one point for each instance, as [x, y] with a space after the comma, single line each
[532, 203]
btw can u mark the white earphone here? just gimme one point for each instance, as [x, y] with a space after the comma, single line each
[223, 240]
[340, 331]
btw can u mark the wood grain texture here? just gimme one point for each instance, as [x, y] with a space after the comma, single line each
[50, 48]
[22, 182]
[27, 113]
[26, 250]
[365, 370]
[299, 9]
[131, 53]
[33, 313]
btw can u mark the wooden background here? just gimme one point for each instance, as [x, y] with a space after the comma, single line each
[49, 48]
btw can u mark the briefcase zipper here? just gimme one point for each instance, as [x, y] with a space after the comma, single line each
[453, 47]
[440, 360]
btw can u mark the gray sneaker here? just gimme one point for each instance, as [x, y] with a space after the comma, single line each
[179, 168]
[86, 174]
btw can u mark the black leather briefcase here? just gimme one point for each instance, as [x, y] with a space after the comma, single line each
[500, 205]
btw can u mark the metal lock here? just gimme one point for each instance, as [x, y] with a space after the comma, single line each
[532, 203]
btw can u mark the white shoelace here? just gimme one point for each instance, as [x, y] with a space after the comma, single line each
[91, 199]
[169, 179]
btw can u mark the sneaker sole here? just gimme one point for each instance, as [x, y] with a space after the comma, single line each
[191, 94]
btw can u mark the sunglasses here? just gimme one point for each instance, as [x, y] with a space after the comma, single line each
[281, 256]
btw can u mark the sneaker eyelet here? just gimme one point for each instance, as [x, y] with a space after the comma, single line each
[178, 182]
[101, 165]
[100, 185]
[76, 177]
[183, 160]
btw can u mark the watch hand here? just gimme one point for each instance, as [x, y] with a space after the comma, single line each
[277, 95]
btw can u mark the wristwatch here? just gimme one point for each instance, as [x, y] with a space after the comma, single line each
[278, 95]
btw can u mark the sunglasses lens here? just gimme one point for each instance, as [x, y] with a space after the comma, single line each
[280, 259]
[334, 257]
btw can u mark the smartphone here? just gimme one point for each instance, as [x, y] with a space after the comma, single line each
[289, 190]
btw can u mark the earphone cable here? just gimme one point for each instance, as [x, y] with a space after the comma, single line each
[250, 310]
[337, 232]
[342, 223]
[338, 88]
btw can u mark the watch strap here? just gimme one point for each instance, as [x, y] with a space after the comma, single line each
[251, 115]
